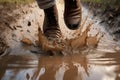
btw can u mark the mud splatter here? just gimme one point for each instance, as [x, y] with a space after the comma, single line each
[26, 41]
[47, 45]
[81, 41]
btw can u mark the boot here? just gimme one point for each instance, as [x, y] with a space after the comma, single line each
[51, 27]
[72, 14]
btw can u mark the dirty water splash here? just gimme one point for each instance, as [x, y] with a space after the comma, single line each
[81, 41]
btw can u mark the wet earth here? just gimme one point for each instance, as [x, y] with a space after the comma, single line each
[90, 53]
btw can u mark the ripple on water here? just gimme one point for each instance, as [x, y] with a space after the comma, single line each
[92, 66]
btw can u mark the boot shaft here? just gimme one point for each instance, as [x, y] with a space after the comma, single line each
[72, 14]
[51, 15]
[51, 27]
[72, 4]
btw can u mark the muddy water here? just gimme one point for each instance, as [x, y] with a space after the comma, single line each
[88, 66]
[81, 61]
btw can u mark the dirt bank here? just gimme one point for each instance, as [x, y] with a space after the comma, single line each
[109, 13]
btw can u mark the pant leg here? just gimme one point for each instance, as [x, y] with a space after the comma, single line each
[44, 4]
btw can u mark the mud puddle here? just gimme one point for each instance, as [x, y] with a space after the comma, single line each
[89, 66]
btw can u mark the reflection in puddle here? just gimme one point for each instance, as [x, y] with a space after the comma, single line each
[73, 67]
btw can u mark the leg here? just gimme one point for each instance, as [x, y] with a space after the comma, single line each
[72, 14]
[50, 26]
[44, 4]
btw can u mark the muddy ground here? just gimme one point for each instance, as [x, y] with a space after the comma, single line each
[90, 52]
[20, 23]
[109, 13]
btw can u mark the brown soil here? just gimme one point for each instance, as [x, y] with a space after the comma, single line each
[21, 30]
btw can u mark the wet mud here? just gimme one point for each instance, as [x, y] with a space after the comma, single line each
[89, 53]
[90, 66]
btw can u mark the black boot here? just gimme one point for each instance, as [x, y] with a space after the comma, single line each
[72, 14]
[51, 27]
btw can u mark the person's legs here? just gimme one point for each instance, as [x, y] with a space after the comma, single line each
[72, 14]
[50, 26]
[44, 4]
